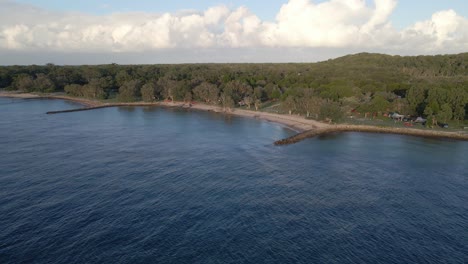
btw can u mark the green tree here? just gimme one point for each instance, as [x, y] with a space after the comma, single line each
[434, 106]
[415, 97]
[74, 89]
[331, 111]
[429, 113]
[227, 101]
[94, 89]
[129, 91]
[122, 77]
[5, 78]
[238, 90]
[43, 84]
[445, 113]
[437, 96]
[24, 83]
[207, 92]
[337, 90]
[148, 92]
[379, 104]
[272, 91]
[308, 103]
[90, 72]
[170, 88]
[458, 98]
[290, 104]
[259, 93]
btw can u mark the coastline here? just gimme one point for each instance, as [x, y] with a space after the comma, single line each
[305, 128]
[296, 123]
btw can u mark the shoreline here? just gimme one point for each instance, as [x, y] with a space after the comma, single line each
[305, 128]
[295, 123]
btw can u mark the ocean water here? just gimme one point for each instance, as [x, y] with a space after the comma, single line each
[155, 185]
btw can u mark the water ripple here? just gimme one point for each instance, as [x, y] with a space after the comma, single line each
[134, 185]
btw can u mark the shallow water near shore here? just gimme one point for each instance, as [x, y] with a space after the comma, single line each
[156, 185]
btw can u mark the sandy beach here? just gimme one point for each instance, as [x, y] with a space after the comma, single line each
[305, 127]
[297, 123]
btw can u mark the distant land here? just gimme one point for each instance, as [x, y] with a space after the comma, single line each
[425, 92]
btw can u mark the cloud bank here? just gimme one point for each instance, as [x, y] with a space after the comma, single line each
[341, 24]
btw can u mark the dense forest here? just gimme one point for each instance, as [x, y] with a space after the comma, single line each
[371, 85]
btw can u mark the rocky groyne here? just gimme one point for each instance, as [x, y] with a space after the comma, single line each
[372, 129]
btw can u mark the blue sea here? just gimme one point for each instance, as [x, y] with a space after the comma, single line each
[161, 185]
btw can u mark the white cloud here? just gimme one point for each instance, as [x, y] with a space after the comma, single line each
[299, 24]
[383, 10]
[444, 31]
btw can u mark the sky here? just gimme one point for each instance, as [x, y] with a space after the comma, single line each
[189, 31]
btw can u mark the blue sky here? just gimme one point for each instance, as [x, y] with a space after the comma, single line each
[406, 13]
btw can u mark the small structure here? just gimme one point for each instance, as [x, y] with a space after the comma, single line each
[396, 116]
[420, 120]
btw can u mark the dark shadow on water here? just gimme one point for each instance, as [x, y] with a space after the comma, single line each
[330, 136]
[127, 108]
[228, 119]
[150, 109]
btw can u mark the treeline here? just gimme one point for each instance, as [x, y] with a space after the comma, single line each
[435, 87]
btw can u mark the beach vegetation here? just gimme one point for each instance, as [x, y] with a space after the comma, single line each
[363, 86]
[129, 91]
[331, 112]
[148, 92]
